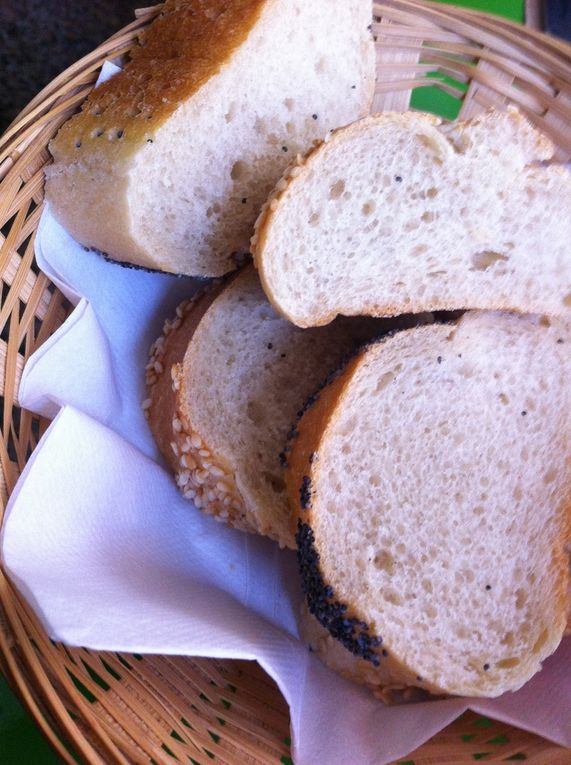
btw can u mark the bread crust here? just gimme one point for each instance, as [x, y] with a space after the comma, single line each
[201, 475]
[344, 623]
[186, 45]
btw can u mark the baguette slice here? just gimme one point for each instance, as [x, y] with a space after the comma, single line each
[432, 486]
[225, 383]
[169, 162]
[399, 213]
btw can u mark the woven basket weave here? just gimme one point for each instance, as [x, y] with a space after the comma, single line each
[114, 709]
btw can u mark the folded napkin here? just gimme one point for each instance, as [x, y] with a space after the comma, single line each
[99, 540]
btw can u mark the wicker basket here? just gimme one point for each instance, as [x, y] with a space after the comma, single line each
[117, 709]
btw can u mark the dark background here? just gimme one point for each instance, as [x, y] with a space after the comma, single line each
[40, 38]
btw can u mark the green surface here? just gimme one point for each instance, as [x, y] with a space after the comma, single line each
[20, 741]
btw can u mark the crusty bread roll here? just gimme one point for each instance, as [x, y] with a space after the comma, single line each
[226, 381]
[431, 480]
[168, 163]
[399, 213]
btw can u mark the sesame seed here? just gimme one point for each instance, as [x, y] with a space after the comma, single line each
[186, 446]
[179, 312]
[189, 493]
[195, 440]
[198, 501]
[176, 425]
[188, 462]
[174, 447]
[216, 471]
[146, 403]
[182, 478]
[274, 205]
[158, 367]
[204, 452]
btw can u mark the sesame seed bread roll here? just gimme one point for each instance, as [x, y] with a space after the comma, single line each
[431, 481]
[398, 213]
[168, 163]
[225, 384]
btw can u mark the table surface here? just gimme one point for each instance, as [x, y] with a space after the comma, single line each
[21, 743]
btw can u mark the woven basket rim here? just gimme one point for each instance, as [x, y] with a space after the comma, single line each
[32, 670]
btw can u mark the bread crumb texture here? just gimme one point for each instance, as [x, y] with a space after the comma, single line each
[439, 509]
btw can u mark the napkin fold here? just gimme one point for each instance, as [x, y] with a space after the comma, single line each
[111, 557]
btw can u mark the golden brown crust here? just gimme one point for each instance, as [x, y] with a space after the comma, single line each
[389, 678]
[183, 48]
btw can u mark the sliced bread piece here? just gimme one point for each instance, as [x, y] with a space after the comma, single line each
[398, 213]
[225, 384]
[169, 162]
[432, 485]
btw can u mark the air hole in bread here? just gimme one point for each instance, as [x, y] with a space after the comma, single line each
[97, 132]
[337, 189]
[368, 207]
[431, 192]
[239, 170]
[550, 476]
[289, 104]
[520, 599]
[384, 561]
[481, 261]
[428, 217]
[320, 65]
[540, 642]
[255, 412]
[314, 219]
[567, 300]
[391, 596]
[276, 482]
[231, 113]
[507, 663]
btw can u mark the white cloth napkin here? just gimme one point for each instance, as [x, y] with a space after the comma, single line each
[111, 557]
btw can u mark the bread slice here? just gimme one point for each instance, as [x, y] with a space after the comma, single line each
[432, 486]
[169, 162]
[399, 213]
[226, 381]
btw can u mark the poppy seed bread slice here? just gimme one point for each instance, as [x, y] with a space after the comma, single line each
[431, 480]
[398, 213]
[168, 163]
[225, 384]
